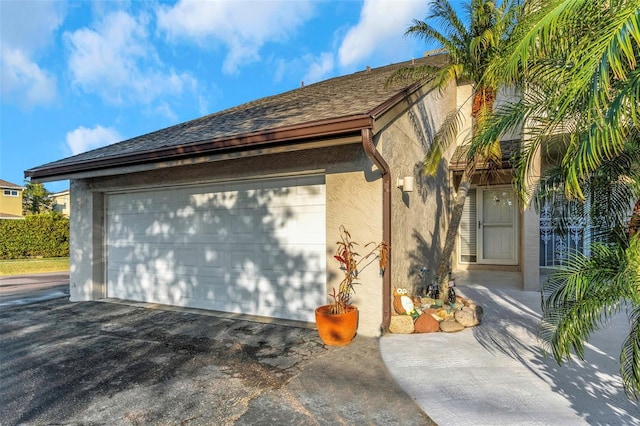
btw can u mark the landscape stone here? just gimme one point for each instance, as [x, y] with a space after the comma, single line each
[427, 301]
[426, 324]
[445, 313]
[451, 326]
[458, 305]
[401, 324]
[467, 317]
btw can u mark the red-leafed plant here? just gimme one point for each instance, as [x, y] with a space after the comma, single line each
[350, 260]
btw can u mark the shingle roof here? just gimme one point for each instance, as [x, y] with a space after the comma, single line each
[6, 184]
[352, 95]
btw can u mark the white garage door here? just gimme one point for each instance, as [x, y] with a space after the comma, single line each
[253, 247]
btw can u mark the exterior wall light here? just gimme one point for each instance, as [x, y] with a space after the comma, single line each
[405, 183]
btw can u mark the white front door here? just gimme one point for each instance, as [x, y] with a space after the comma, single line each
[497, 230]
[488, 232]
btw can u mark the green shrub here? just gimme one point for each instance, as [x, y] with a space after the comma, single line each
[38, 235]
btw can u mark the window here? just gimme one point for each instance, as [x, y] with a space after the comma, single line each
[467, 233]
[10, 193]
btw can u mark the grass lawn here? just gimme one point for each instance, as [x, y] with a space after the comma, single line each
[33, 266]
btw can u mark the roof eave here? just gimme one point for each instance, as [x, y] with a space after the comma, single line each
[259, 139]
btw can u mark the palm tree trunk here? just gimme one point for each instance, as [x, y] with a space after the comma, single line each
[483, 100]
[452, 231]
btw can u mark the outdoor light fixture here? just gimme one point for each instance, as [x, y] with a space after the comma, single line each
[405, 183]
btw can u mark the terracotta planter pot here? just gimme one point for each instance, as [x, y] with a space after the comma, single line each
[336, 330]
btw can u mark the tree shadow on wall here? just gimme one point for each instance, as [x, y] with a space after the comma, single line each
[434, 192]
[425, 254]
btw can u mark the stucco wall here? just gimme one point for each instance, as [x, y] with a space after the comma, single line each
[86, 274]
[419, 218]
[10, 204]
[354, 196]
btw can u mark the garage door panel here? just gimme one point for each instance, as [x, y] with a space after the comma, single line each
[300, 227]
[247, 247]
[292, 260]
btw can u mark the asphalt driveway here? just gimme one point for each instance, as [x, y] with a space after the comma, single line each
[105, 363]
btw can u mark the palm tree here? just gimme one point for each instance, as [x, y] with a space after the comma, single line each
[471, 48]
[576, 63]
[585, 293]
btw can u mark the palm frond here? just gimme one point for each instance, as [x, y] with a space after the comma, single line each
[630, 354]
[581, 297]
[443, 13]
[444, 137]
[428, 33]
[630, 357]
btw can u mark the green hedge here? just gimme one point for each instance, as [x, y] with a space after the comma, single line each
[39, 235]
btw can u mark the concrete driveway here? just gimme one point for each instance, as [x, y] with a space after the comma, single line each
[496, 374]
[107, 363]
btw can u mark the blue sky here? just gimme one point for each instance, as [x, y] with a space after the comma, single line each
[77, 75]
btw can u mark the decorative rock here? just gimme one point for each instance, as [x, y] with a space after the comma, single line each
[427, 301]
[426, 324]
[467, 317]
[451, 326]
[445, 313]
[401, 324]
[438, 314]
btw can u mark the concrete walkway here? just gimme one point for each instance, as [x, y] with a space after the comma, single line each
[495, 374]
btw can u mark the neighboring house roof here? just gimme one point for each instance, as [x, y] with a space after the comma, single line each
[331, 107]
[6, 184]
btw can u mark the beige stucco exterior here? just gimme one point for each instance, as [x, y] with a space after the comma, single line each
[11, 205]
[354, 195]
[354, 198]
[420, 217]
[528, 227]
[354, 188]
[61, 202]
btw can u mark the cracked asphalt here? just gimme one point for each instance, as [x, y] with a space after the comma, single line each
[95, 363]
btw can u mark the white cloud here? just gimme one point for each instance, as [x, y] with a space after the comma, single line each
[381, 30]
[24, 81]
[242, 27]
[165, 110]
[312, 68]
[319, 68]
[25, 28]
[83, 139]
[117, 61]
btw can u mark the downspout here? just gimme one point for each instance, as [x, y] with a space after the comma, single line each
[383, 167]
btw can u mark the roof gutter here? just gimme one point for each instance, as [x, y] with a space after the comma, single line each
[383, 167]
[263, 139]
